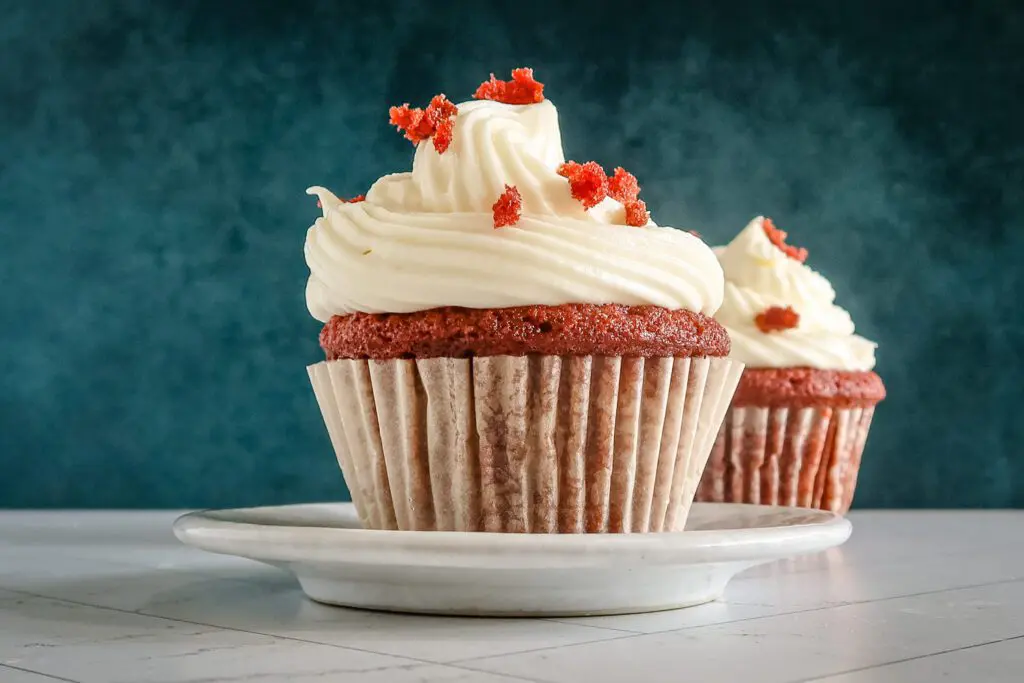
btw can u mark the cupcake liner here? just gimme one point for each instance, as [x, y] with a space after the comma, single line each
[805, 457]
[539, 444]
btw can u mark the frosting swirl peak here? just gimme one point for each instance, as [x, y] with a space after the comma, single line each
[759, 276]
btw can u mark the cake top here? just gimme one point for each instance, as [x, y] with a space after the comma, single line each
[493, 216]
[568, 330]
[779, 312]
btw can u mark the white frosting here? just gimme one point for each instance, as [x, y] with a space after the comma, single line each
[758, 275]
[426, 239]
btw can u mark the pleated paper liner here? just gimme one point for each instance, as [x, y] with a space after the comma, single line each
[806, 457]
[538, 444]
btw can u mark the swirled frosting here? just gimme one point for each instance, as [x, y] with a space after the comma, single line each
[426, 239]
[758, 275]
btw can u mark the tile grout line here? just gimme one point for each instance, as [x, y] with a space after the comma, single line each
[783, 614]
[826, 677]
[546, 648]
[37, 673]
[565, 621]
[514, 677]
[464, 667]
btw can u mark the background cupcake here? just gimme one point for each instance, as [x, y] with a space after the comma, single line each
[799, 420]
[511, 344]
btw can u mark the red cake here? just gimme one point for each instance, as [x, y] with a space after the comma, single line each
[569, 329]
[803, 387]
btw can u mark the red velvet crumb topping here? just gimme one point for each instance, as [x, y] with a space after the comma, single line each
[437, 121]
[508, 208]
[778, 238]
[587, 182]
[522, 89]
[623, 186]
[637, 214]
[777, 319]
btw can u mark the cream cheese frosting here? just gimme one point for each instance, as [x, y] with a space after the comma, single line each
[426, 239]
[758, 276]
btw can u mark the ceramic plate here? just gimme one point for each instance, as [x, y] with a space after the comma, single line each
[441, 572]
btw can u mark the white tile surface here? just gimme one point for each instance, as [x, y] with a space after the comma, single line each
[914, 596]
[999, 662]
[722, 612]
[788, 647]
[278, 607]
[271, 603]
[93, 644]
[854, 578]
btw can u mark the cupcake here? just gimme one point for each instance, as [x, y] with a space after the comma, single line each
[796, 429]
[511, 344]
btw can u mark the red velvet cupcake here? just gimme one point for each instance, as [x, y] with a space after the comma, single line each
[512, 345]
[796, 429]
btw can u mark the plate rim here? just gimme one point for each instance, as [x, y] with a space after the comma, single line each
[323, 545]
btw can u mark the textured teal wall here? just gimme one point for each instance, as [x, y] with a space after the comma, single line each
[153, 158]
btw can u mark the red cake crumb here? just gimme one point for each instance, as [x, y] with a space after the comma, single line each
[569, 329]
[637, 214]
[441, 115]
[522, 89]
[778, 238]
[440, 107]
[410, 121]
[589, 185]
[443, 135]
[776, 319]
[623, 186]
[695, 234]
[587, 182]
[435, 121]
[508, 207]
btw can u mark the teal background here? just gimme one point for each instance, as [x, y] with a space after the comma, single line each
[153, 158]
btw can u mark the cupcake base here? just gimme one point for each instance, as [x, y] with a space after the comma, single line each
[798, 456]
[535, 444]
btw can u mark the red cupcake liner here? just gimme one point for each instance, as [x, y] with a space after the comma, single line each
[804, 457]
[531, 444]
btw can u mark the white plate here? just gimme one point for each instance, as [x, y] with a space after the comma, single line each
[444, 572]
